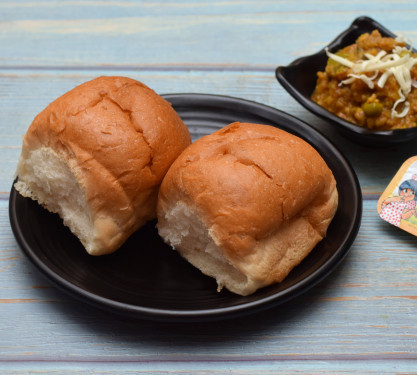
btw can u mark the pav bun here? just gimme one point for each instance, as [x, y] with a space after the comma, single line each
[246, 204]
[97, 155]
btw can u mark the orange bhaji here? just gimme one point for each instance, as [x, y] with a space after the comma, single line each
[371, 83]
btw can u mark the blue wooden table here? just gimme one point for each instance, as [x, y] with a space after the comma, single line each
[362, 319]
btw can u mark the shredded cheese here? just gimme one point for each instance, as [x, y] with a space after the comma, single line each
[404, 112]
[368, 80]
[397, 63]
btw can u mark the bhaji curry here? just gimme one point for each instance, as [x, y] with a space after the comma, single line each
[371, 83]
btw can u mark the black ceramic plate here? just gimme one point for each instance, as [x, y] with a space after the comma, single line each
[299, 79]
[145, 278]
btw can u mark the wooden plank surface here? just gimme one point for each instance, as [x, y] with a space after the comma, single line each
[361, 319]
[180, 33]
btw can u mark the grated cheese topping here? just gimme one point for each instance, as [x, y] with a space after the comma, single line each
[398, 63]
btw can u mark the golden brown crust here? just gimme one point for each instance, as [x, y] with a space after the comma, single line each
[120, 138]
[249, 184]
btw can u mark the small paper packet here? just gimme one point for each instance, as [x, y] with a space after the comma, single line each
[398, 203]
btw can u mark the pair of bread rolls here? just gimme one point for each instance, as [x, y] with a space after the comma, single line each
[244, 205]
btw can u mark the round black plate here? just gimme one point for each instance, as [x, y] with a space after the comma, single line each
[299, 79]
[145, 278]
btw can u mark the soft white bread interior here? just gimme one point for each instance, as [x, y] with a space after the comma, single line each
[97, 155]
[246, 204]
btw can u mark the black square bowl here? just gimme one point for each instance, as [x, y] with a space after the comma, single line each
[299, 79]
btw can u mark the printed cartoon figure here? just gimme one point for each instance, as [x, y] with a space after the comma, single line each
[401, 207]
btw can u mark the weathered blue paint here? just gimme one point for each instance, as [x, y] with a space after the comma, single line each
[361, 319]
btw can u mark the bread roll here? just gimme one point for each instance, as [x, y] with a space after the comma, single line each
[246, 204]
[97, 155]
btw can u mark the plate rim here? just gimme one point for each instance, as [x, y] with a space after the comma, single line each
[240, 309]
